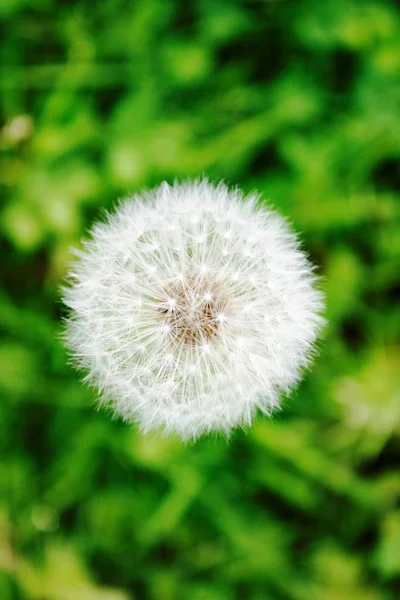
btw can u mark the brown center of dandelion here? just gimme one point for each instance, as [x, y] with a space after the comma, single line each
[194, 310]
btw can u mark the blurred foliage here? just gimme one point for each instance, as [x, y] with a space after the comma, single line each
[300, 100]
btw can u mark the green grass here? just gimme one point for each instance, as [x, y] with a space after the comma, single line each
[300, 100]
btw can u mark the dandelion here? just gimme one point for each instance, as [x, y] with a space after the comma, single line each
[191, 308]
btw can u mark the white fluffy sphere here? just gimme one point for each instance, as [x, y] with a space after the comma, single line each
[191, 308]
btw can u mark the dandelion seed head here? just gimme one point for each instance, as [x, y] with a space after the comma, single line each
[191, 308]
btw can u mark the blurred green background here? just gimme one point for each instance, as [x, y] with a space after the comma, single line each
[300, 100]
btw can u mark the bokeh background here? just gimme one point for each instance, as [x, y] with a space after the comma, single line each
[300, 100]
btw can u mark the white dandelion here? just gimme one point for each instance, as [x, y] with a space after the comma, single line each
[192, 308]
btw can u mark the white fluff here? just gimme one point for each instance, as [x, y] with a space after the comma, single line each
[191, 308]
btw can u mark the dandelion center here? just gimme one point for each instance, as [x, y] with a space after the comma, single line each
[194, 310]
